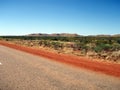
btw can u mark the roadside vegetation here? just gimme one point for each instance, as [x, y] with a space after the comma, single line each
[105, 48]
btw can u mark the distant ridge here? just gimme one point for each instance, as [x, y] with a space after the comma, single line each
[55, 34]
[71, 35]
[116, 35]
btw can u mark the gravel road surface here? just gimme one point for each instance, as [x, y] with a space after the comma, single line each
[23, 71]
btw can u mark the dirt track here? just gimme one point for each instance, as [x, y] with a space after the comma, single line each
[107, 68]
[23, 71]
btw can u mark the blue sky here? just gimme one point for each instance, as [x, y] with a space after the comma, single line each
[84, 17]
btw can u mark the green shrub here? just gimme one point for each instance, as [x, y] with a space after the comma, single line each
[102, 47]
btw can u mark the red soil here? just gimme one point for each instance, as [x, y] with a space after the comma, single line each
[104, 67]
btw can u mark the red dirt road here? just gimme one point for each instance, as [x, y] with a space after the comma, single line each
[106, 68]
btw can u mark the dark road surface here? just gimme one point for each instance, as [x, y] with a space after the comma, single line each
[23, 71]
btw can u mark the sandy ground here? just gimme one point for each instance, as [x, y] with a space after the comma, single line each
[24, 71]
[98, 66]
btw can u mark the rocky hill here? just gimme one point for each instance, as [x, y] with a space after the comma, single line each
[55, 34]
[71, 35]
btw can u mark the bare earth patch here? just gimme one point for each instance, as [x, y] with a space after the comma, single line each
[104, 67]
